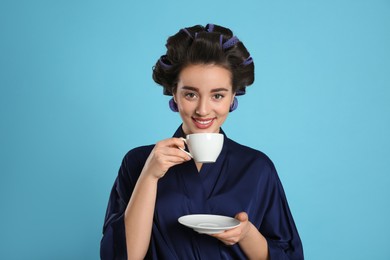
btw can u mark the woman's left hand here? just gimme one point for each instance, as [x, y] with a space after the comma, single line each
[235, 235]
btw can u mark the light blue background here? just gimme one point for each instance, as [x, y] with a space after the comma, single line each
[77, 94]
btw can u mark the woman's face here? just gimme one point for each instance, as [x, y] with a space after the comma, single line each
[204, 95]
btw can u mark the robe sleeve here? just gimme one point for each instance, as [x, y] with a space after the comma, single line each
[113, 242]
[278, 225]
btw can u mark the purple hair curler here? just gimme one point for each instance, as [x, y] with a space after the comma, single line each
[231, 42]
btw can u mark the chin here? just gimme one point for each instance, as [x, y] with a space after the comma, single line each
[206, 130]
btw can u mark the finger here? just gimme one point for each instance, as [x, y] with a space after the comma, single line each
[231, 233]
[229, 241]
[175, 143]
[173, 160]
[169, 161]
[172, 142]
[184, 151]
[242, 216]
[224, 236]
[167, 157]
[178, 152]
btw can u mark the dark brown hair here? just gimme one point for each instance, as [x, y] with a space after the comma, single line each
[212, 44]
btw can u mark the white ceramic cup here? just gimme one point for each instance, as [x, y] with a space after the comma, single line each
[204, 147]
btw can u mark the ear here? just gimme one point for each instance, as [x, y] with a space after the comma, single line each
[234, 103]
[233, 96]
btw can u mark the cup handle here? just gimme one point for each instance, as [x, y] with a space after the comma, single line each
[185, 141]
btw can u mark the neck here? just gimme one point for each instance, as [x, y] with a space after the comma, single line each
[198, 166]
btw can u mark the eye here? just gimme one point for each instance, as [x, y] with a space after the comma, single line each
[190, 95]
[218, 96]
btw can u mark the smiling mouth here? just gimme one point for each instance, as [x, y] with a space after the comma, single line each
[203, 123]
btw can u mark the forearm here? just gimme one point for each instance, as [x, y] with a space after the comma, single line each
[139, 217]
[254, 244]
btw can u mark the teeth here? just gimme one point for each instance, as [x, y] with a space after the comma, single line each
[204, 122]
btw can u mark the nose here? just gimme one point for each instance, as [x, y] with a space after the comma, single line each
[203, 108]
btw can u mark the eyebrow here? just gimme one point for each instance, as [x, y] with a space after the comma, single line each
[212, 91]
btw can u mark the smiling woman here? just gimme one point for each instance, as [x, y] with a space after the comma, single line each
[203, 96]
[204, 69]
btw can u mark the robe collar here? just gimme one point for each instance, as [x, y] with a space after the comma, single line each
[203, 183]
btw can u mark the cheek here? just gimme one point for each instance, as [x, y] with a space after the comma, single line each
[183, 106]
[225, 107]
[186, 108]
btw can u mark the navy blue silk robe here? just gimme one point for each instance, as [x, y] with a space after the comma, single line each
[242, 179]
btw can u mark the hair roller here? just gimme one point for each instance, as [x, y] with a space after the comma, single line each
[231, 42]
[247, 61]
[164, 62]
[187, 32]
[210, 27]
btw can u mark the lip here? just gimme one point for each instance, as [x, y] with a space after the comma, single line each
[203, 123]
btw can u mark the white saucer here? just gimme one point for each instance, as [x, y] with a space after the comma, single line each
[208, 224]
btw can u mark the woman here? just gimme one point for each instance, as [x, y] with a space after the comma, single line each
[204, 69]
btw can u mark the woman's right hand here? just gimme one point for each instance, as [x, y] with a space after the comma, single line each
[141, 206]
[164, 155]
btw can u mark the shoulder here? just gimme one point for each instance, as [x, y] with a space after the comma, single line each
[246, 153]
[253, 164]
[132, 163]
[137, 155]
[248, 160]
[140, 151]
